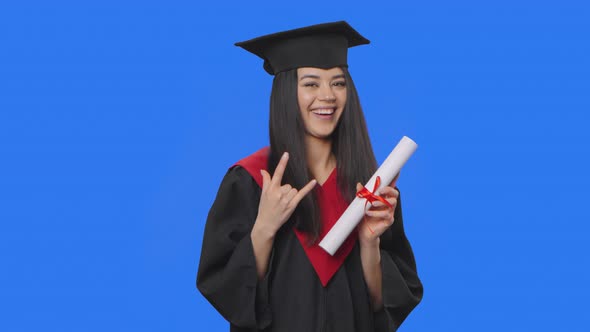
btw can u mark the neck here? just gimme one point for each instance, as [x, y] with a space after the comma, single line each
[320, 159]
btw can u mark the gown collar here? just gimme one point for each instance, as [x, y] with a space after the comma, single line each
[331, 203]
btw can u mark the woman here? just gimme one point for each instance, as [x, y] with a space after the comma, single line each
[261, 266]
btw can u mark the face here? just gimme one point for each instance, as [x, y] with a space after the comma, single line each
[321, 94]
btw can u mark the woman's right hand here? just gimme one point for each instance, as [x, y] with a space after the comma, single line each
[277, 202]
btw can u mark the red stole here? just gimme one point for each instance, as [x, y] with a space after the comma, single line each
[331, 204]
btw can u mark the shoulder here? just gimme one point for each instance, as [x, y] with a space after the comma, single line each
[237, 185]
[246, 171]
[237, 174]
[253, 163]
[258, 159]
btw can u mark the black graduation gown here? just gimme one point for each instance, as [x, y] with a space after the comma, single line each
[291, 297]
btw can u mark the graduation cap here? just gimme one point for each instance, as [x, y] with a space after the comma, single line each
[321, 46]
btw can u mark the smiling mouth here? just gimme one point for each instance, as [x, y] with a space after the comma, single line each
[324, 111]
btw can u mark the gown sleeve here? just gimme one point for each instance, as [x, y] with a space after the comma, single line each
[402, 289]
[227, 275]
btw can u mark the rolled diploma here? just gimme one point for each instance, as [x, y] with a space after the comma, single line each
[356, 210]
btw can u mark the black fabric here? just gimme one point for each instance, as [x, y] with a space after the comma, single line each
[321, 46]
[291, 297]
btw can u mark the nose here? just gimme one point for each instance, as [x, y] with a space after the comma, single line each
[326, 93]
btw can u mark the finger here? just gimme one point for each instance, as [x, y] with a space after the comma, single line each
[378, 214]
[388, 192]
[304, 191]
[286, 188]
[392, 201]
[377, 205]
[389, 221]
[290, 194]
[280, 170]
[265, 179]
[359, 186]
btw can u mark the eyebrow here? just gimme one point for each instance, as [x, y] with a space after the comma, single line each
[317, 77]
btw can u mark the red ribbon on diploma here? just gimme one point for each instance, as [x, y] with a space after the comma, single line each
[371, 197]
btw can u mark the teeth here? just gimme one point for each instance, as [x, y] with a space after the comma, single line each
[323, 112]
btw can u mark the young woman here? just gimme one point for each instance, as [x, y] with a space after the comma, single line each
[261, 266]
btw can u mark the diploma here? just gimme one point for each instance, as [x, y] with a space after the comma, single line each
[356, 210]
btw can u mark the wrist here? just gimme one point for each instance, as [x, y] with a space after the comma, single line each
[259, 230]
[371, 244]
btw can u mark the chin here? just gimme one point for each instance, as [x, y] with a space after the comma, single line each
[322, 135]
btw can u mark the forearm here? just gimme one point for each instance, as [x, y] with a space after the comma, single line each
[371, 264]
[262, 242]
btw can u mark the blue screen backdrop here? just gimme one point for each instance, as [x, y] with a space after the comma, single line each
[118, 121]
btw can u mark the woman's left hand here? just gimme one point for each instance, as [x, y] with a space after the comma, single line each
[379, 217]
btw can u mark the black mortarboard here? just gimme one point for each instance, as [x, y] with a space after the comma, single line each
[322, 46]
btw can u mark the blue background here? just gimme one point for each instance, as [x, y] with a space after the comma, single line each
[118, 121]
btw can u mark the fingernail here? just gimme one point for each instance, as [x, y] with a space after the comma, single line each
[285, 155]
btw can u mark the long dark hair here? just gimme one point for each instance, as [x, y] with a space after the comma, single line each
[350, 145]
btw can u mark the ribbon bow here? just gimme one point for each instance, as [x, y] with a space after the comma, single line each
[371, 197]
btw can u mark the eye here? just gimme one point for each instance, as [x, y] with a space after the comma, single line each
[340, 83]
[310, 84]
